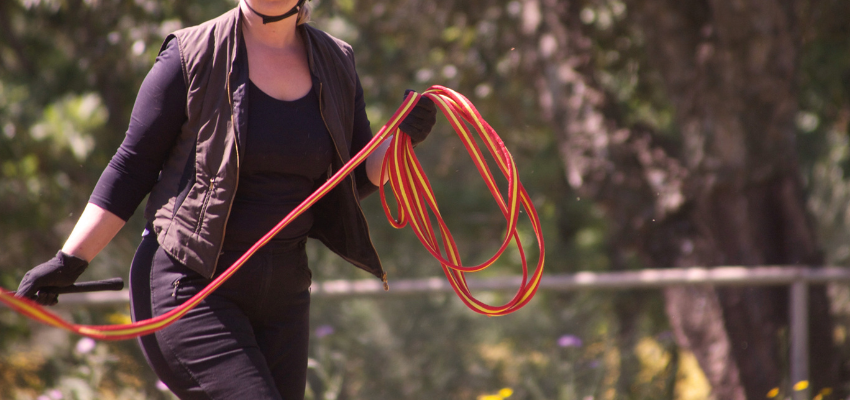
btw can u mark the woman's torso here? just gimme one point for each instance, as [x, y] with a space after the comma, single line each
[288, 150]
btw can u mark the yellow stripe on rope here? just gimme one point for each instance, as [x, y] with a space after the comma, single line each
[408, 183]
[414, 196]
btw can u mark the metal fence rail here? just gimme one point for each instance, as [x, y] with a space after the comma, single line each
[797, 277]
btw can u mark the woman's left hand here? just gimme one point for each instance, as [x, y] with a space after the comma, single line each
[420, 120]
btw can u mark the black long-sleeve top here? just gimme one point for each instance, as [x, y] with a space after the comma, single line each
[288, 152]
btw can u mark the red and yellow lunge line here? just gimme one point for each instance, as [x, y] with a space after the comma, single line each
[414, 197]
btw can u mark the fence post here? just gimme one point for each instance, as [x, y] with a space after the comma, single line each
[799, 340]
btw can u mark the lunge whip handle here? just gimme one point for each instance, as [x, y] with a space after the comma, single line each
[90, 286]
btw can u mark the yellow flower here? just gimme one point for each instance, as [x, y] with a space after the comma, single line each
[119, 318]
[802, 385]
[503, 394]
[773, 393]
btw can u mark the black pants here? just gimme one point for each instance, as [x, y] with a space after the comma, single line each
[247, 340]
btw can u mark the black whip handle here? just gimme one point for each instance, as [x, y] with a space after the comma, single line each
[90, 286]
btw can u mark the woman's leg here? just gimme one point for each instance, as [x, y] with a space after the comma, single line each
[140, 309]
[210, 353]
[280, 313]
[284, 341]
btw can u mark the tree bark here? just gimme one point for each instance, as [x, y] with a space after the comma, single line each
[727, 193]
[732, 74]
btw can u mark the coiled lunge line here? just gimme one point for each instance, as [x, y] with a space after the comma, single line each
[411, 188]
[414, 197]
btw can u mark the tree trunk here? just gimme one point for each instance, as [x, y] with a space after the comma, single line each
[728, 193]
[732, 75]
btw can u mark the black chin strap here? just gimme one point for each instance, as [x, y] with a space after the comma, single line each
[269, 18]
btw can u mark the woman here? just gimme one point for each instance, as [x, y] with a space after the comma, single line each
[239, 120]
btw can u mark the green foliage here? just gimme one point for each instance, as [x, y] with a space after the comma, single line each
[50, 363]
[69, 71]
[441, 350]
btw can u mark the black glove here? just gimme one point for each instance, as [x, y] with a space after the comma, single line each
[60, 271]
[418, 123]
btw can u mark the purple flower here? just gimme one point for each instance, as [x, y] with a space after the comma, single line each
[324, 330]
[161, 386]
[569, 341]
[665, 336]
[55, 395]
[85, 345]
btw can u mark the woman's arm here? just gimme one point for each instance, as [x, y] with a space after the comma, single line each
[157, 116]
[418, 123]
[93, 231]
[155, 122]
[375, 162]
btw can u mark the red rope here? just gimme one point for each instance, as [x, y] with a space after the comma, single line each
[414, 197]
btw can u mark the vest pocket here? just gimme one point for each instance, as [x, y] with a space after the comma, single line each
[204, 206]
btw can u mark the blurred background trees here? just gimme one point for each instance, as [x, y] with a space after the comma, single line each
[649, 134]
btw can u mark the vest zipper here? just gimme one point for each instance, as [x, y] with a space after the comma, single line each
[353, 188]
[207, 198]
[236, 184]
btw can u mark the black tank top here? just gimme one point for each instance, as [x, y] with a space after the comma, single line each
[288, 151]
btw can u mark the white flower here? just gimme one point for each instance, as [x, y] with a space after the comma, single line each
[85, 345]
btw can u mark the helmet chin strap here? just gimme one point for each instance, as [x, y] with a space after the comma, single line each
[274, 18]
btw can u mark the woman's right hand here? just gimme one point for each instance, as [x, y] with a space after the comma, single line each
[420, 120]
[60, 271]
